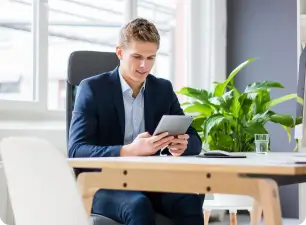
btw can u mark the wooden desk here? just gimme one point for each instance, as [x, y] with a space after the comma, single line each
[257, 176]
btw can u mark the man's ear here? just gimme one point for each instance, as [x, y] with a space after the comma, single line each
[119, 52]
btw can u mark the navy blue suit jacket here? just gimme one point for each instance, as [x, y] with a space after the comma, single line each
[98, 119]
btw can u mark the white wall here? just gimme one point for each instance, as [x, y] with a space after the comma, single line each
[55, 137]
[54, 132]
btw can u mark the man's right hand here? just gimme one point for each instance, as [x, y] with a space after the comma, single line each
[145, 144]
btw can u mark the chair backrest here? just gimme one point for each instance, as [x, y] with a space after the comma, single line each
[41, 184]
[81, 65]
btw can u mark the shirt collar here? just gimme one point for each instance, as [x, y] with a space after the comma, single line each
[125, 86]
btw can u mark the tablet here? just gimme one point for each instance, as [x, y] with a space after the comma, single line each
[173, 124]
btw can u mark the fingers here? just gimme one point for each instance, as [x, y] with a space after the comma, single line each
[179, 141]
[184, 136]
[177, 146]
[176, 152]
[163, 142]
[144, 135]
[158, 137]
[162, 146]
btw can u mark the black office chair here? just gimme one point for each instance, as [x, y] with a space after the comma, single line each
[84, 64]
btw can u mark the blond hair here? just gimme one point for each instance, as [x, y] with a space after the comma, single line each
[139, 29]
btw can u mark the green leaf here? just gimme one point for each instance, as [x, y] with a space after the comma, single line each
[199, 94]
[262, 98]
[213, 122]
[185, 103]
[262, 117]
[296, 145]
[263, 85]
[279, 100]
[235, 103]
[288, 132]
[283, 119]
[225, 142]
[197, 107]
[220, 88]
[197, 123]
[246, 101]
[247, 143]
[255, 128]
[299, 120]
[250, 96]
[217, 101]
[228, 98]
[300, 100]
[215, 82]
[211, 142]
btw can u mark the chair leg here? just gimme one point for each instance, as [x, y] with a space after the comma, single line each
[233, 217]
[206, 216]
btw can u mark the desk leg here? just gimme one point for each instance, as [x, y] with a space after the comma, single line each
[269, 199]
[256, 213]
[264, 191]
[87, 191]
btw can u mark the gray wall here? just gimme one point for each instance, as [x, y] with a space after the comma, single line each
[267, 29]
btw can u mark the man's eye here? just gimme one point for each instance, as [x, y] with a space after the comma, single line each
[137, 57]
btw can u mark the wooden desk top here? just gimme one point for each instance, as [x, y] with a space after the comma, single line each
[272, 163]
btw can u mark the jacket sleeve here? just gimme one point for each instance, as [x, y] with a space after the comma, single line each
[194, 146]
[83, 127]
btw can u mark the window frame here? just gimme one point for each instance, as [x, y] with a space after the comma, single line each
[37, 108]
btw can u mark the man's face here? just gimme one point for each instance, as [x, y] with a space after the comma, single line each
[136, 60]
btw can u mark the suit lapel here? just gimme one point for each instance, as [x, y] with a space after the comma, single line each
[118, 99]
[149, 106]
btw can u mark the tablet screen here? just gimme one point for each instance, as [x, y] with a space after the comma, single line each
[173, 124]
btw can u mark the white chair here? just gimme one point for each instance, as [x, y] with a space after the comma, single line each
[223, 202]
[6, 214]
[41, 184]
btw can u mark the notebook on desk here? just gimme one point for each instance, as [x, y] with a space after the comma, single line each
[220, 154]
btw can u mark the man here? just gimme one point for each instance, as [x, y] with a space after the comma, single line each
[116, 113]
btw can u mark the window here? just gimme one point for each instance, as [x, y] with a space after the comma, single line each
[37, 38]
[16, 52]
[165, 14]
[78, 25]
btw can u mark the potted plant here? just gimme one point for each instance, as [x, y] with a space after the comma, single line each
[228, 119]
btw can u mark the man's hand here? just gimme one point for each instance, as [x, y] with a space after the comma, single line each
[145, 144]
[178, 145]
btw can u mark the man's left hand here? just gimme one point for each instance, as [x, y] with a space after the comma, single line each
[178, 145]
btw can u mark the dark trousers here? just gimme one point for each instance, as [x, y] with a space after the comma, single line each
[138, 208]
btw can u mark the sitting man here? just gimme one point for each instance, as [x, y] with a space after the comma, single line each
[115, 114]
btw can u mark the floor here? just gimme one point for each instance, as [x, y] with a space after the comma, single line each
[245, 220]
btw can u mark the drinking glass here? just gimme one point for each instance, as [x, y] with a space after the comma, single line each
[261, 143]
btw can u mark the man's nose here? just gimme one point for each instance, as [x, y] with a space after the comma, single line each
[143, 63]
